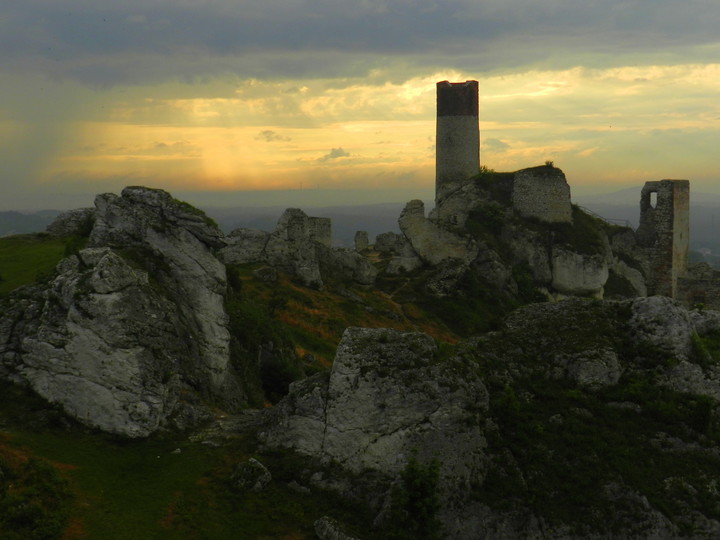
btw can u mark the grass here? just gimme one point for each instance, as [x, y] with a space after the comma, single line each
[25, 258]
[315, 320]
[119, 489]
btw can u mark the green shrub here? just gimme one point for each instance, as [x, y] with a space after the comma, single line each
[416, 501]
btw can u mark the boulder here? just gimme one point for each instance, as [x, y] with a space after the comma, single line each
[434, 244]
[130, 324]
[386, 395]
[78, 222]
[662, 323]
[578, 274]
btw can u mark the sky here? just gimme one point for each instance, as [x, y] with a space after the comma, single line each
[333, 101]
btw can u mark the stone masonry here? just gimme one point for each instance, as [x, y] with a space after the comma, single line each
[543, 193]
[665, 232]
[457, 136]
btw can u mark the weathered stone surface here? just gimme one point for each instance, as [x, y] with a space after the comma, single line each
[250, 475]
[452, 211]
[347, 264]
[662, 323]
[389, 242]
[529, 248]
[406, 260]
[444, 280]
[542, 193]
[299, 245]
[432, 243]
[78, 222]
[490, 268]
[244, 246]
[130, 323]
[327, 528]
[633, 276]
[664, 232]
[578, 274]
[361, 241]
[386, 395]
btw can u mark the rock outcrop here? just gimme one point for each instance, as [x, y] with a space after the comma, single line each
[131, 324]
[78, 222]
[300, 246]
[432, 243]
[523, 422]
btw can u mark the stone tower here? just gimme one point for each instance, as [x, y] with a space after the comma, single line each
[665, 232]
[457, 138]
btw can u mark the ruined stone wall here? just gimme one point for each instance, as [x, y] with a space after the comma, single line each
[542, 193]
[457, 139]
[664, 232]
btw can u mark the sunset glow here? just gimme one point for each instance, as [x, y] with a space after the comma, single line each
[194, 118]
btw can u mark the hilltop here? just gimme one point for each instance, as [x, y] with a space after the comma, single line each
[493, 370]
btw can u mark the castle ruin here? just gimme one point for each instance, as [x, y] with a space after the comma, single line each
[542, 193]
[457, 137]
[665, 231]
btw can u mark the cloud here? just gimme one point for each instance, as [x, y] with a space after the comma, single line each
[105, 43]
[335, 153]
[495, 144]
[269, 135]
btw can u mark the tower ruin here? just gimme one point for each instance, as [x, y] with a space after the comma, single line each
[457, 137]
[665, 232]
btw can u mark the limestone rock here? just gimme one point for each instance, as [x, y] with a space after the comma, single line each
[529, 248]
[291, 247]
[490, 268]
[78, 222]
[578, 274]
[453, 210]
[389, 242]
[132, 323]
[361, 240]
[386, 394]
[405, 260]
[244, 246]
[432, 243]
[250, 476]
[300, 246]
[327, 528]
[633, 276]
[662, 323]
[347, 264]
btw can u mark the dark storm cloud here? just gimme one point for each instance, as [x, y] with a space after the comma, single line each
[107, 42]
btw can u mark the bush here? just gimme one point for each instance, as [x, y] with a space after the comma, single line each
[415, 503]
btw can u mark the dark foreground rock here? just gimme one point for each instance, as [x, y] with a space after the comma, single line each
[579, 419]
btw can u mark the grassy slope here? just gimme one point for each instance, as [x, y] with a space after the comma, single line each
[25, 257]
[141, 489]
[315, 320]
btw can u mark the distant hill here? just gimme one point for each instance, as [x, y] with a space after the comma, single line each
[20, 223]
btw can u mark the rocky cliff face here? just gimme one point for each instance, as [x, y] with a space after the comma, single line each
[578, 419]
[130, 326]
